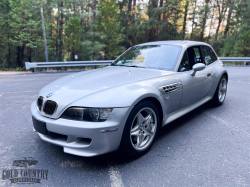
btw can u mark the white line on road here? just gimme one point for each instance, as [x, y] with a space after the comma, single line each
[229, 125]
[115, 177]
[20, 92]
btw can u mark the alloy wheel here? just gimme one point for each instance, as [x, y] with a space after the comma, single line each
[143, 128]
[222, 89]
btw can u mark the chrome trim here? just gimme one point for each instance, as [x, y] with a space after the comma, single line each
[170, 88]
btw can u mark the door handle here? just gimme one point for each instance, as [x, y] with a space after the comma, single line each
[209, 75]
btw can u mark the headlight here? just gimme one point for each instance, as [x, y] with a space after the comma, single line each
[87, 114]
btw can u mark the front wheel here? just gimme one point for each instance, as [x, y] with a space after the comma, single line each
[141, 129]
[220, 93]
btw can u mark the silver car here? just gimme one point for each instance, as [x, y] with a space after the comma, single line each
[123, 106]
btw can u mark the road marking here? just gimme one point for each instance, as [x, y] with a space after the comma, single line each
[229, 125]
[20, 92]
[115, 177]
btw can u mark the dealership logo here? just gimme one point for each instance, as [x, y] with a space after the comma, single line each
[23, 172]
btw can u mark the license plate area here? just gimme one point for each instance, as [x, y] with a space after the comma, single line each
[39, 126]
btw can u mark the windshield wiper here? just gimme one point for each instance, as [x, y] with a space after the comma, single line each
[136, 66]
[133, 66]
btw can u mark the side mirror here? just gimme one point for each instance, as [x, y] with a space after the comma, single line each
[197, 67]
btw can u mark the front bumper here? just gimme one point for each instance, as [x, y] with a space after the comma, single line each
[85, 138]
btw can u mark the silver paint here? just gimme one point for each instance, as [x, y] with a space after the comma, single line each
[121, 88]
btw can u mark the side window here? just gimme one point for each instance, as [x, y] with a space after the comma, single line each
[197, 54]
[184, 65]
[209, 55]
[194, 55]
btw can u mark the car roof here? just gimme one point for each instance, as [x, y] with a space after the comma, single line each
[184, 43]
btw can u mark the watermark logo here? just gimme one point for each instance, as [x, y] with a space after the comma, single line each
[22, 172]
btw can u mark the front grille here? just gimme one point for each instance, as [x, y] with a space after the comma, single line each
[49, 107]
[40, 102]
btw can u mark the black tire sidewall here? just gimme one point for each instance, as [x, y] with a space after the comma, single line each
[126, 145]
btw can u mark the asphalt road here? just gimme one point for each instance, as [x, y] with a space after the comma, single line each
[207, 147]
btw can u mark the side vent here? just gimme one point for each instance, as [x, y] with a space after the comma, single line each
[171, 87]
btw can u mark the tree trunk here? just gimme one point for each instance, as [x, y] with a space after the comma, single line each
[134, 8]
[129, 5]
[134, 3]
[216, 34]
[204, 20]
[185, 20]
[152, 5]
[161, 4]
[60, 32]
[228, 20]
[221, 11]
[19, 56]
[57, 49]
[210, 27]
[29, 54]
[93, 12]
[73, 55]
[193, 20]
[9, 57]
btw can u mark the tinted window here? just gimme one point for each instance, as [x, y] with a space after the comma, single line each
[184, 65]
[150, 56]
[197, 54]
[194, 56]
[209, 55]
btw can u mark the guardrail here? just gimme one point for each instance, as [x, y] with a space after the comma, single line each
[29, 65]
[235, 59]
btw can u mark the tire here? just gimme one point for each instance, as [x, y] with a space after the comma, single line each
[220, 93]
[140, 130]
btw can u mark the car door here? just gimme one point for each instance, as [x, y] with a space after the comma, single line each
[195, 87]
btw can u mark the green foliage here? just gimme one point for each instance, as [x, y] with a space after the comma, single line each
[72, 35]
[96, 30]
[109, 26]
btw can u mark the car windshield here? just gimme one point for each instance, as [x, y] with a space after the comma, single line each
[162, 57]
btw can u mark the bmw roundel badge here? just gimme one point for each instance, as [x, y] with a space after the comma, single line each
[49, 95]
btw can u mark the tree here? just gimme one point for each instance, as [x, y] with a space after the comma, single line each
[24, 25]
[95, 29]
[72, 36]
[221, 8]
[185, 19]
[204, 11]
[108, 24]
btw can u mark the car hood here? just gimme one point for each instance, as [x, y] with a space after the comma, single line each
[75, 86]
